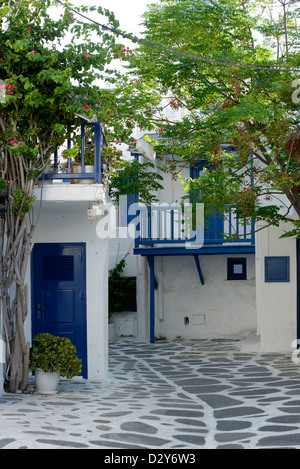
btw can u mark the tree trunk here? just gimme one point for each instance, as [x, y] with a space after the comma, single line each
[14, 267]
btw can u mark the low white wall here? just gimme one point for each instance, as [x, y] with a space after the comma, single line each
[186, 308]
[276, 302]
[67, 222]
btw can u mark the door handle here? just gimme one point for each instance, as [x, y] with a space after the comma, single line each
[39, 309]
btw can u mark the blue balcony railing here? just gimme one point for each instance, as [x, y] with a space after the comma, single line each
[168, 227]
[66, 175]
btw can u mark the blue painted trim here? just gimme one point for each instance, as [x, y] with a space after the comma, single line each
[97, 174]
[155, 281]
[165, 242]
[199, 269]
[150, 260]
[82, 149]
[231, 263]
[34, 279]
[214, 238]
[277, 269]
[70, 176]
[190, 252]
[97, 153]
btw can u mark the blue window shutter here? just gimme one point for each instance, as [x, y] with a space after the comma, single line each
[277, 269]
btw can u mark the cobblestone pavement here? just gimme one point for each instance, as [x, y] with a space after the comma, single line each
[183, 394]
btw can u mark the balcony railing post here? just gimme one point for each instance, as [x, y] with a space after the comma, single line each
[82, 149]
[69, 167]
[97, 153]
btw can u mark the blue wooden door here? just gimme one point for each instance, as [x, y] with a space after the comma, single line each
[214, 223]
[59, 293]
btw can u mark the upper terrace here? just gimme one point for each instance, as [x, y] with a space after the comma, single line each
[89, 177]
[166, 230]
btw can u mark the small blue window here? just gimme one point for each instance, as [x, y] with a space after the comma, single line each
[277, 269]
[236, 268]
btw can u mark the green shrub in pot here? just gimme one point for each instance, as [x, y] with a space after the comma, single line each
[51, 353]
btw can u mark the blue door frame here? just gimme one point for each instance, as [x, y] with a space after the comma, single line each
[214, 223]
[58, 272]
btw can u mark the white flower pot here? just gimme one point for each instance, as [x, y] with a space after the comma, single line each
[46, 383]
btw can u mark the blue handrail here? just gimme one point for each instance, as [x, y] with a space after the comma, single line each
[155, 228]
[68, 175]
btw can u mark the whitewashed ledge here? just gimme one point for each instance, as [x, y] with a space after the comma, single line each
[57, 192]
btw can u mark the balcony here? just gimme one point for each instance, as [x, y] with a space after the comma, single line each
[165, 230]
[70, 184]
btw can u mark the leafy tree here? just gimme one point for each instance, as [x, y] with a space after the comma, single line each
[231, 66]
[49, 61]
[136, 178]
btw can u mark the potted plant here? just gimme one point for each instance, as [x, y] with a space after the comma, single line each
[51, 357]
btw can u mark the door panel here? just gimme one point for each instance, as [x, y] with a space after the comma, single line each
[59, 293]
[214, 223]
[61, 304]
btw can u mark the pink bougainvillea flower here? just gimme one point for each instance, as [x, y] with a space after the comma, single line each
[123, 50]
[32, 51]
[86, 55]
[86, 107]
[8, 88]
[13, 140]
[22, 143]
[137, 81]
[30, 28]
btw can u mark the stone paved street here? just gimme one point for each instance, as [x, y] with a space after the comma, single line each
[183, 394]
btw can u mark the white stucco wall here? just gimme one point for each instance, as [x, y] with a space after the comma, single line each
[186, 308]
[276, 302]
[63, 221]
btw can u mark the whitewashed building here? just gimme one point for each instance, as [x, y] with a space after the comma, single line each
[244, 288]
[188, 289]
[68, 270]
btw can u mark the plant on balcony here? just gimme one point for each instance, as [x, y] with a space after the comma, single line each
[75, 152]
